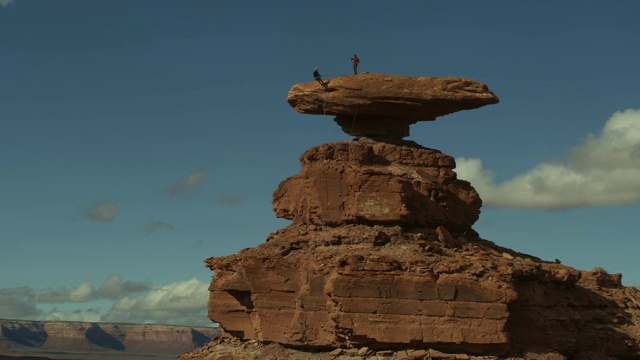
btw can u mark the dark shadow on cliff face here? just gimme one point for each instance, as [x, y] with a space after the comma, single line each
[570, 319]
[199, 339]
[96, 335]
[392, 141]
[243, 297]
[35, 336]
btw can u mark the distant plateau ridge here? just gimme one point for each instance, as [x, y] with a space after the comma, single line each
[22, 336]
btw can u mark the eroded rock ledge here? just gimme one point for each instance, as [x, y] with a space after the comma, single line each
[373, 104]
[319, 289]
[372, 182]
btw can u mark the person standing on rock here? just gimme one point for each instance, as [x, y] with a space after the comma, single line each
[316, 75]
[355, 62]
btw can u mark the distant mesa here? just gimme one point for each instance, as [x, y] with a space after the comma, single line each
[120, 340]
[373, 104]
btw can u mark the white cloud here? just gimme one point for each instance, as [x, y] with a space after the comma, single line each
[179, 303]
[603, 170]
[103, 211]
[89, 315]
[115, 288]
[4, 3]
[188, 185]
[18, 303]
[81, 293]
[154, 226]
[112, 288]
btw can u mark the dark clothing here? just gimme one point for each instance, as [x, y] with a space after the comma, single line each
[355, 62]
[317, 77]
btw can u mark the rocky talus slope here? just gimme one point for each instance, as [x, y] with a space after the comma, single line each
[381, 260]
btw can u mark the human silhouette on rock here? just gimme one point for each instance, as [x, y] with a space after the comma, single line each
[355, 62]
[318, 77]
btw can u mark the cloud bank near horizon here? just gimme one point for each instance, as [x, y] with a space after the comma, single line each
[4, 3]
[112, 288]
[602, 170]
[182, 302]
[178, 303]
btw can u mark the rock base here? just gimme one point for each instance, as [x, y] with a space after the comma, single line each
[233, 349]
[320, 289]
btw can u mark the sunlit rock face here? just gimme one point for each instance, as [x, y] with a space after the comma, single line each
[373, 104]
[381, 260]
[373, 182]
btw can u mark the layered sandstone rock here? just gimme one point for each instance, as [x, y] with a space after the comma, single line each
[385, 289]
[357, 286]
[381, 260]
[373, 182]
[378, 104]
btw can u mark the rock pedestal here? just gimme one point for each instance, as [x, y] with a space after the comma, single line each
[381, 261]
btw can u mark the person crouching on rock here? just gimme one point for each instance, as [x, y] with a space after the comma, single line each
[316, 75]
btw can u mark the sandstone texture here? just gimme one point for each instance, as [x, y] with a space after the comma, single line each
[381, 261]
[374, 182]
[385, 105]
[384, 288]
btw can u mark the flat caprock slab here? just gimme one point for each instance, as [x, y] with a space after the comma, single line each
[379, 104]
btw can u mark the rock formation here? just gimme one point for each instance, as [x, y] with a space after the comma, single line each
[381, 261]
[373, 182]
[385, 105]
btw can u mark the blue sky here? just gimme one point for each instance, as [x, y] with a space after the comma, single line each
[139, 138]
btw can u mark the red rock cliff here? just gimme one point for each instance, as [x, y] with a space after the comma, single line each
[381, 260]
[373, 182]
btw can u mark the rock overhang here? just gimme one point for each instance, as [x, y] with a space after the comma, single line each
[380, 104]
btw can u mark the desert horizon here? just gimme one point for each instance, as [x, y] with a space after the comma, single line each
[102, 340]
